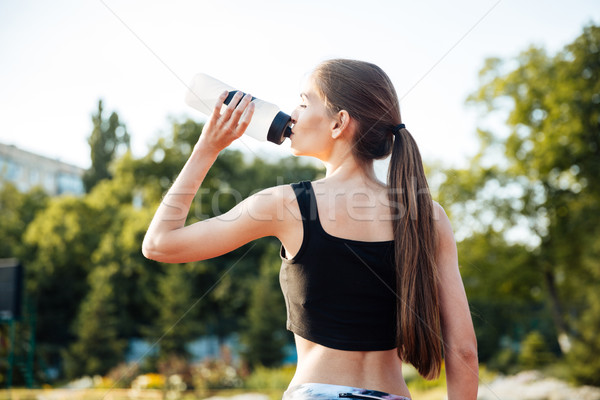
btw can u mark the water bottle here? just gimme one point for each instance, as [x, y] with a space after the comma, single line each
[268, 122]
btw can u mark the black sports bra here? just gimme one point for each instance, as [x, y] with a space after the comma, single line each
[339, 293]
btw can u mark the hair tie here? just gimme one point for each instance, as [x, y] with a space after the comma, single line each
[397, 128]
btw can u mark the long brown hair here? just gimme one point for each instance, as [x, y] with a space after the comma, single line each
[369, 97]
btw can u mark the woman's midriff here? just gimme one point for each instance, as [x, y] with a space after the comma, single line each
[374, 370]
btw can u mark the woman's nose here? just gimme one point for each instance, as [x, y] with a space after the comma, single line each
[294, 116]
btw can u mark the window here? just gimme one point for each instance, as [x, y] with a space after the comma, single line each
[69, 183]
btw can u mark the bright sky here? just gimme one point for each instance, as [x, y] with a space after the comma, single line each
[58, 58]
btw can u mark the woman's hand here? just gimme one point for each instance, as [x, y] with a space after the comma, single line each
[223, 128]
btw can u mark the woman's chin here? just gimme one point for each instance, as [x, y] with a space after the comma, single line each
[294, 150]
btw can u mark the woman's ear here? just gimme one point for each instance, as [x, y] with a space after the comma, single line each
[340, 124]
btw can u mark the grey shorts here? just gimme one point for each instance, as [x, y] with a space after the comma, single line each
[323, 391]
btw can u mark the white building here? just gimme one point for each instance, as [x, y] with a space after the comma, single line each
[27, 170]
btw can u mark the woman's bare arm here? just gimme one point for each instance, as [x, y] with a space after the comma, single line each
[460, 344]
[169, 240]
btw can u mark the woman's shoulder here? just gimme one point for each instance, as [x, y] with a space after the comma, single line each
[445, 234]
[440, 217]
[273, 195]
[277, 201]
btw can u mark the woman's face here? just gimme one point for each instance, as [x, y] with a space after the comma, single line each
[311, 133]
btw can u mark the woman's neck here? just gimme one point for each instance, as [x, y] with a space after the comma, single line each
[348, 168]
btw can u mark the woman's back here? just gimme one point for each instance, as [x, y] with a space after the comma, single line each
[351, 216]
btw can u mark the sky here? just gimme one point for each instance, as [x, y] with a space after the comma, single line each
[57, 59]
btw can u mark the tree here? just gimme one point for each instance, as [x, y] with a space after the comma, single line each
[177, 322]
[264, 335]
[540, 183]
[105, 141]
[99, 346]
[534, 352]
[18, 210]
[58, 244]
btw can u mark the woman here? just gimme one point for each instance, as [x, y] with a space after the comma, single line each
[369, 271]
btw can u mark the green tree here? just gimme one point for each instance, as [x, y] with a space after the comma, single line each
[177, 321]
[534, 351]
[584, 365]
[99, 346]
[505, 294]
[18, 210]
[58, 244]
[265, 335]
[105, 141]
[539, 182]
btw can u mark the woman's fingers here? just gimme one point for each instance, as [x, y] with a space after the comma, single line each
[240, 110]
[219, 103]
[217, 110]
[245, 119]
[232, 106]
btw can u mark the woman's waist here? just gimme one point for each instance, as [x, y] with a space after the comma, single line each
[309, 350]
[375, 370]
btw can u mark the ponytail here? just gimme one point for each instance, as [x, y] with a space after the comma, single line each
[418, 318]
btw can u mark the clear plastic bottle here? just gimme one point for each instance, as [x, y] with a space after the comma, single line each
[268, 122]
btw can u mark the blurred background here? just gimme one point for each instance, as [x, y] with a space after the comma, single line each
[503, 98]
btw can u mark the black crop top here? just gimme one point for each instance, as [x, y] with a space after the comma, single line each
[338, 292]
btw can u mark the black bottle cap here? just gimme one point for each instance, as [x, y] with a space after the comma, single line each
[279, 126]
[288, 131]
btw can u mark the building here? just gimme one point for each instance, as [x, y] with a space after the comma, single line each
[27, 170]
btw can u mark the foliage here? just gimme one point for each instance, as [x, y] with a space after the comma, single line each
[18, 210]
[98, 346]
[105, 141]
[177, 320]
[534, 351]
[264, 335]
[505, 296]
[583, 362]
[263, 378]
[525, 204]
[57, 246]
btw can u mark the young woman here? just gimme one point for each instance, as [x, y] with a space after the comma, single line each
[369, 270]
